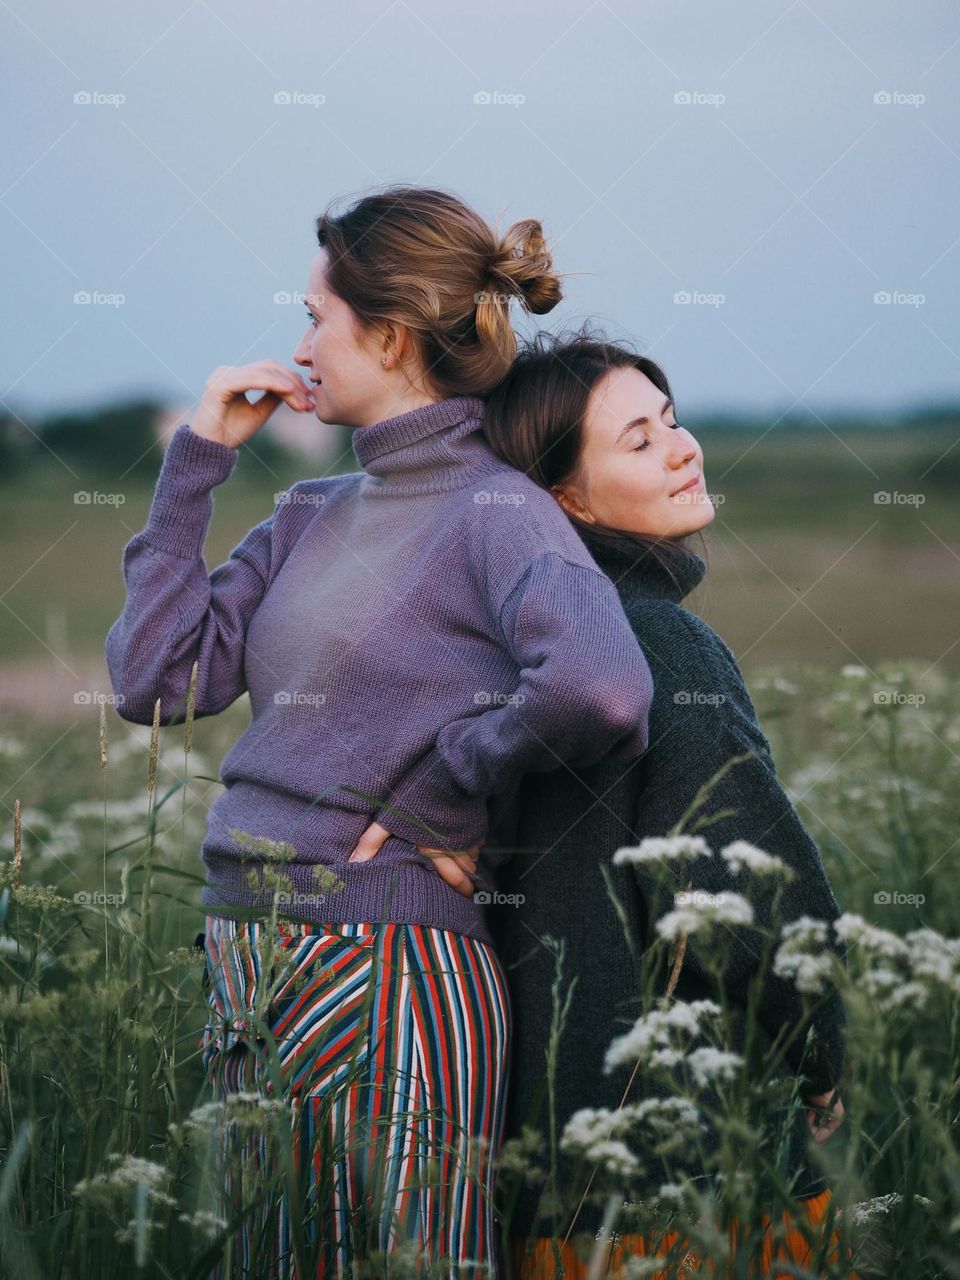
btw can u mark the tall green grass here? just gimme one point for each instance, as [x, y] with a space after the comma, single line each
[113, 1156]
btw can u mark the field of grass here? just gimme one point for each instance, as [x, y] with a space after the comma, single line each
[109, 1142]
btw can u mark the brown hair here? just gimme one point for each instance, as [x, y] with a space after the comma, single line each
[534, 419]
[422, 258]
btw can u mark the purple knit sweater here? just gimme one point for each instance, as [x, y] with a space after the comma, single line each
[414, 637]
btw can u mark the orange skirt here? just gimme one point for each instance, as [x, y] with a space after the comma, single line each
[535, 1259]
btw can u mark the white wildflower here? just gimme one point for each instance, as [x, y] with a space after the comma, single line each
[669, 1114]
[665, 1058]
[933, 956]
[205, 1221]
[805, 929]
[853, 671]
[808, 973]
[708, 1064]
[129, 1172]
[591, 1125]
[878, 981]
[808, 969]
[592, 1132]
[853, 928]
[653, 848]
[914, 995]
[742, 854]
[671, 1191]
[245, 1104]
[615, 1156]
[867, 1209]
[696, 910]
[655, 1030]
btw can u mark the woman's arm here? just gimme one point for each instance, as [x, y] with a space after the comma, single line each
[176, 614]
[693, 739]
[584, 693]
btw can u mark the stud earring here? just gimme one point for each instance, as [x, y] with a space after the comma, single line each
[383, 361]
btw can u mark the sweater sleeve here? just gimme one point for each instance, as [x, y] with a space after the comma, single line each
[698, 737]
[584, 692]
[175, 612]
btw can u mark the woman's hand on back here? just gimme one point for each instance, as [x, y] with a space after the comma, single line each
[226, 415]
[454, 868]
[822, 1126]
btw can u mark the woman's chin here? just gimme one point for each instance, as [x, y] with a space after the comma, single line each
[697, 512]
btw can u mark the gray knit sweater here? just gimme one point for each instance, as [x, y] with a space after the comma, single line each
[567, 825]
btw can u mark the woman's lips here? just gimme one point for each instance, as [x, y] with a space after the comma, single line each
[691, 484]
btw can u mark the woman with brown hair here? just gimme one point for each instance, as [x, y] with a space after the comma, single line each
[413, 637]
[595, 424]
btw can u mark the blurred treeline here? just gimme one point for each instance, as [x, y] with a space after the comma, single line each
[115, 442]
[119, 440]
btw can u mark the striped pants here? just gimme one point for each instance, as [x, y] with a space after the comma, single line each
[361, 1071]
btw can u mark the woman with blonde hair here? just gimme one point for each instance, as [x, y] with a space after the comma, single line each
[413, 637]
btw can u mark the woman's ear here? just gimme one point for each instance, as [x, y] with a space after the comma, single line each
[387, 336]
[571, 503]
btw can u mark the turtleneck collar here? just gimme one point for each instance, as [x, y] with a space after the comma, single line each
[636, 571]
[436, 447]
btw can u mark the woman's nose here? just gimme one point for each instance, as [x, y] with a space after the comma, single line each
[683, 452]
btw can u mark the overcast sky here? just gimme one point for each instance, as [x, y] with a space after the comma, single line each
[735, 153]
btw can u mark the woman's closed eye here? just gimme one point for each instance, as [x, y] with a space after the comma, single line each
[638, 448]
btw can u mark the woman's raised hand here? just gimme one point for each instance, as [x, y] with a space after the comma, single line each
[227, 416]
